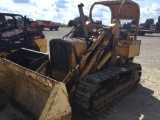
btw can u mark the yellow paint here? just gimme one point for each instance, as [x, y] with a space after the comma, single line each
[42, 44]
[47, 98]
[44, 97]
[129, 50]
[57, 106]
[103, 61]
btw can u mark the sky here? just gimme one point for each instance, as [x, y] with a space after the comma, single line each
[64, 10]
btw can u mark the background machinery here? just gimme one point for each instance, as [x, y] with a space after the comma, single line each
[149, 27]
[16, 33]
[87, 67]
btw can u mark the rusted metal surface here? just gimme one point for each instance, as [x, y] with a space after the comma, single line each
[121, 9]
[40, 95]
[19, 70]
[57, 106]
[126, 12]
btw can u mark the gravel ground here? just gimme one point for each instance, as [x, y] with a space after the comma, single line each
[143, 103]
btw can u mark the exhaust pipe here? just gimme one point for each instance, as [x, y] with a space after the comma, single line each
[83, 20]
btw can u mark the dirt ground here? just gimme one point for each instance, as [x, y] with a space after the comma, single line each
[143, 103]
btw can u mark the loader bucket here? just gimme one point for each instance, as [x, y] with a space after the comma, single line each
[32, 96]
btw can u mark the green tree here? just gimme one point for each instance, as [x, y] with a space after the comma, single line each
[71, 23]
[148, 22]
[77, 20]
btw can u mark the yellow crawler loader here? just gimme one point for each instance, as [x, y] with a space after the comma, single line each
[89, 67]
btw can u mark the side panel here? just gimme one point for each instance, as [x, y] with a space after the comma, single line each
[129, 49]
[134, 50]
[42, 44]
[122, 51]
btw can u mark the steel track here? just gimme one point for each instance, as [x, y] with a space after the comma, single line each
[100, 89]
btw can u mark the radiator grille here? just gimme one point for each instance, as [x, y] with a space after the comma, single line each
[59, 54]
